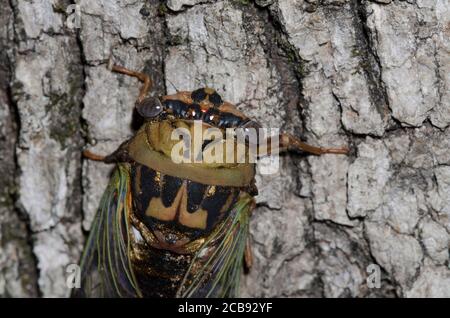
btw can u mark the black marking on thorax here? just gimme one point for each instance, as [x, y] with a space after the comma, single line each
[147, 184]
[215, 99]
[170, 187]
[202, 94]
[199, 95]
[195, 192]
[214, 203]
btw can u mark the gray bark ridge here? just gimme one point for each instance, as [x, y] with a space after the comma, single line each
[372, 75]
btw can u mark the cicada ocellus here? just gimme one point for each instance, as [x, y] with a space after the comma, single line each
[167, 229]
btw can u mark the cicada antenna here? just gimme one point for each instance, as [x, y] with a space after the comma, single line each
[176, 89]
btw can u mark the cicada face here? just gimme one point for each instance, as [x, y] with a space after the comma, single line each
[194, 115]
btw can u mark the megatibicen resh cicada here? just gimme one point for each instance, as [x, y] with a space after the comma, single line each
[170, 229]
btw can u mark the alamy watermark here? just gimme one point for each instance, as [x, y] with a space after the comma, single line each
[374, 278]
[232, 146]
[73, 12]
[73, 279]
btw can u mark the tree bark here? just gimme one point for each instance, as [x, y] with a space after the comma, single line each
[371, 75]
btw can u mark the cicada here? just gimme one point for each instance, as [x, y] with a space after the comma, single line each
[168, 229]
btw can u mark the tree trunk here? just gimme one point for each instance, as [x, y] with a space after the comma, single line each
[370, 75]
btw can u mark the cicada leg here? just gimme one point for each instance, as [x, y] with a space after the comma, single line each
[248, 255]
[144, 78]
[92, 156]
[120, 155]
[112, 158]
[289, 142]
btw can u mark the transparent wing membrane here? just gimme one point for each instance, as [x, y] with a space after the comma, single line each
[217, 266]
[105, 266]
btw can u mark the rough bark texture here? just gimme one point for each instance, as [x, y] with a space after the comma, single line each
[371, 75]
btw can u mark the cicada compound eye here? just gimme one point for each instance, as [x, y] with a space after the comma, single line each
[150, 107]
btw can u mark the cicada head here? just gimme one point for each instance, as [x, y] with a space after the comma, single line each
[192, 135]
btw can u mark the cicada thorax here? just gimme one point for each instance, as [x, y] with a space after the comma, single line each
[177, 210]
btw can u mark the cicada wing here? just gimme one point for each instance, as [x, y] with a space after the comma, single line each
[105, 265]
[216, 268]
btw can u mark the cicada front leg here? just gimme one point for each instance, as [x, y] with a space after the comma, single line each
[92, 156]
[144, 78]
[288, 142]
[119, 155]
